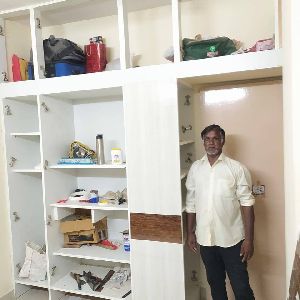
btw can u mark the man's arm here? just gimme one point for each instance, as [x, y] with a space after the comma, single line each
[191, 237]
[247, 248]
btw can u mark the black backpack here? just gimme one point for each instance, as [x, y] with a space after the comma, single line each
[61, 50]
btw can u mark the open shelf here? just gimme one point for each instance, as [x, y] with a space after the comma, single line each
[87, 166]
[96, 206]
[182, 143]
[16, 134]
[69, 285]
[27, 171]
[26, 281]
[96, 253]
[247, 66]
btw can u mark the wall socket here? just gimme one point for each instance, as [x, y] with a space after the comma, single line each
[258, 190]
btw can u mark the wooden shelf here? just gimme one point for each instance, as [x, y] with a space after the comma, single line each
[182, 143]
[96, 253]
[26, 281]
[69, 285]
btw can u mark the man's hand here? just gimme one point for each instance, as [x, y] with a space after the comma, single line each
[192, 242]
[247, 250]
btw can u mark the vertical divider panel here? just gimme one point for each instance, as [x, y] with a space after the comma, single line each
[37, 43]
[3, 58]
[123, 34]
[176, 27]
[43, 188]
[57, 129]
[278, 24]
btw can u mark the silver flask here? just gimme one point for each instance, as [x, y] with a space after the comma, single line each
[100, 149]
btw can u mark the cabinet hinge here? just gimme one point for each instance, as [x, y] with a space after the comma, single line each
[5, 78]
[16, 216]
[46, 108]
[12, 161]
[7, 110]
[186, 128]
[38, 23]
[46, 164]
[187, 100]
[2, 30]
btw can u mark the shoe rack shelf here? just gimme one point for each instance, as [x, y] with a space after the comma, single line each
[96, 253]
[140, 107]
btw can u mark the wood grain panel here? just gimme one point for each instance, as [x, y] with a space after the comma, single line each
[154, 227]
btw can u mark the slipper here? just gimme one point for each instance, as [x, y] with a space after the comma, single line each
[107, 244]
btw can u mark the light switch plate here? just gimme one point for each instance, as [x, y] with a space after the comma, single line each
[258, 190]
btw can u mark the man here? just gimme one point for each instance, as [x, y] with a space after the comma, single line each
[220, 216]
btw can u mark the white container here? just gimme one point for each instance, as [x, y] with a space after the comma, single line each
[116, 156]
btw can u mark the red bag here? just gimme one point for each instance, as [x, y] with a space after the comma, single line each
[95, 57]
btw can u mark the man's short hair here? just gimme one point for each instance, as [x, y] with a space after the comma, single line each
[213, 127]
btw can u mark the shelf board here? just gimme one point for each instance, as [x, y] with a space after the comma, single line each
[182, 143]
[27, 170]
[107, 84]
[247, 66]
[25, 133]
[69, 285]
[71, 166]
[94, 206]
[26, 281]
[96, 253]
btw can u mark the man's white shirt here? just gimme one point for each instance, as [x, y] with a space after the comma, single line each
[215, 193]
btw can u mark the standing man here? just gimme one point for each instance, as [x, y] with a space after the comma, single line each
[220, 216]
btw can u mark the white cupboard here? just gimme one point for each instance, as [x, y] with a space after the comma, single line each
[146, 111]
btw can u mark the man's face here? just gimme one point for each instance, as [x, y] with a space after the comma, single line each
[213, 143]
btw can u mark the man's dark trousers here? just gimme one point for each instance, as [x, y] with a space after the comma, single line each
[218, 261]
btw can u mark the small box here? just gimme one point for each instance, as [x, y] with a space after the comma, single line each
[79, 230]
[78, 222]
[116, 156]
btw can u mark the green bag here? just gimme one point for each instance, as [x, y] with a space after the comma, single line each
[195, 49]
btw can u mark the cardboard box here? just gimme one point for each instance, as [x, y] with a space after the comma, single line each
[79, 230]
[76, 223]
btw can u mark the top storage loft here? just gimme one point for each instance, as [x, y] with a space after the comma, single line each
[136, 33]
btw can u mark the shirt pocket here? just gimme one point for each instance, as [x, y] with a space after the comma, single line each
[226, 188]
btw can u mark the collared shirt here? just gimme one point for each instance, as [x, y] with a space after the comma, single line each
[215, 194]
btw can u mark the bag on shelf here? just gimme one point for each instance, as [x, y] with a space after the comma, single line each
[95, 55]
[199, 49]
[19, 68]
[62, 57]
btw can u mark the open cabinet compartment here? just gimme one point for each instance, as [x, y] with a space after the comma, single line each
[12, 43]
[147, 42]
[84, 20]
[24, 292]
[28, 218]
[63, 282]
[246, 22]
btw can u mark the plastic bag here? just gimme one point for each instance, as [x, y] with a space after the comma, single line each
[35, 265]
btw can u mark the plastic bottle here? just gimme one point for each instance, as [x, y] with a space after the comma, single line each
[100, 149]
